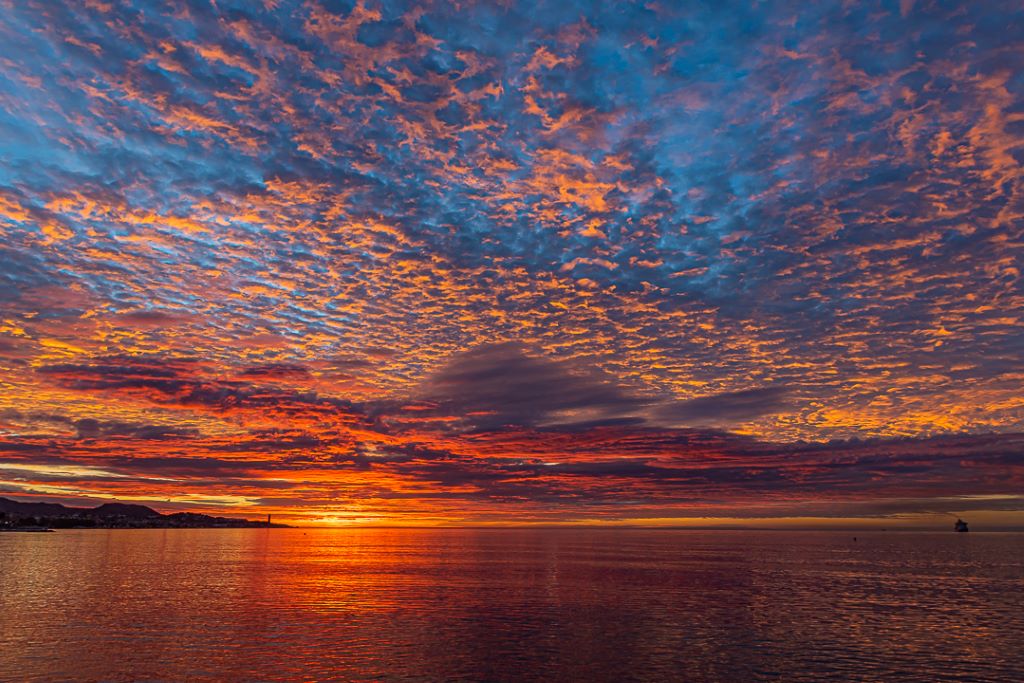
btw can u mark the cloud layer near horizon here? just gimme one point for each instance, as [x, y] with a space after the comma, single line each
[490, 437]
[538, 261]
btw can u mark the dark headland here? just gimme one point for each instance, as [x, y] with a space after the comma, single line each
[15, 514]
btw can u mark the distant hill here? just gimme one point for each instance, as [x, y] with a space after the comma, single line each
[125, 510]
[15, 513]
[47, 509]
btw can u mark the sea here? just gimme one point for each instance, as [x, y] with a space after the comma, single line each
[582, 604]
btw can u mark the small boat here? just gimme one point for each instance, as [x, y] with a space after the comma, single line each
[27, 529]
[960, 526]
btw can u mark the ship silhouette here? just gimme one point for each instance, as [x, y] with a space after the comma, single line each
[960, 525]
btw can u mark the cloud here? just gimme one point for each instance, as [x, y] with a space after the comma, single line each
[503, 384]
[89, 428]
[276, 372]
[297, 237]
[724, 409]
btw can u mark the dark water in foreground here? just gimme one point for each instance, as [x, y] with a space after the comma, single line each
[551, 605]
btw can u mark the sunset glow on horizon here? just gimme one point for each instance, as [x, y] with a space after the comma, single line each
[561, 263]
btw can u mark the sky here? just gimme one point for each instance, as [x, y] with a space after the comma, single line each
[515, 263]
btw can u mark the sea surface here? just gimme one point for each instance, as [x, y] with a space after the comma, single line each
[510, 604]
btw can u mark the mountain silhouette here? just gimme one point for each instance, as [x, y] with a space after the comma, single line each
[110, 515]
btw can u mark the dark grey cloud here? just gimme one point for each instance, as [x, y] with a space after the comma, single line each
[724, 408]
[504, 384]
[174, 380]
[89, 428]
[276, 371]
